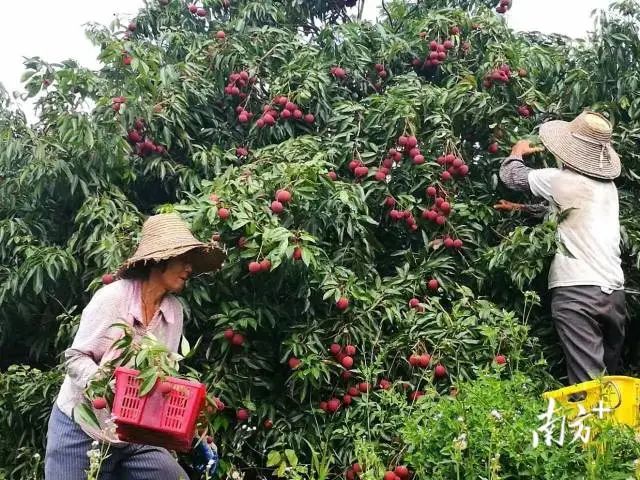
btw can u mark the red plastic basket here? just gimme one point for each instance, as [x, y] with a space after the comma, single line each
[164, 420]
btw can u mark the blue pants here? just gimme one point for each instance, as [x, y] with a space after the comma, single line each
[66, 457]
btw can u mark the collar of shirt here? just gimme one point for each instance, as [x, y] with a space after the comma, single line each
[135, 305]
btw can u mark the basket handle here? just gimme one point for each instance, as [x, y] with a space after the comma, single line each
[615, 387]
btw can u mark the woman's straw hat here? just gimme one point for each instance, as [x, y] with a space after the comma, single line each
[166, 236]
[583, 144]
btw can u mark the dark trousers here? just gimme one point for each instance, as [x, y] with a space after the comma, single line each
[591, 325]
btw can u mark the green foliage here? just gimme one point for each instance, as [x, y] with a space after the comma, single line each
[486, 432]
[74, 192]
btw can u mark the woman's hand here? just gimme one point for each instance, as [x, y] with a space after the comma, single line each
[522, 148]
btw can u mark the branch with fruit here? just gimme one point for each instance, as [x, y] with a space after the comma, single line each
[150, 357]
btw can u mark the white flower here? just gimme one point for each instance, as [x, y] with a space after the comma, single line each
[460, 419]
[94, 444]
[496, 414]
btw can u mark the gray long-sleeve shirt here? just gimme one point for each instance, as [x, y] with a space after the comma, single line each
[515, 175]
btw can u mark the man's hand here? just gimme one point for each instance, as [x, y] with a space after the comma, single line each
[505, 206]
[523, 148]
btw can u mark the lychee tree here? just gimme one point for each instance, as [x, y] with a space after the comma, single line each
[350, 169]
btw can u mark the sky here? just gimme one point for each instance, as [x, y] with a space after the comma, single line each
[38, 34]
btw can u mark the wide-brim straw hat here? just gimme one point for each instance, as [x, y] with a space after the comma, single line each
[584, 145]
[165, 236]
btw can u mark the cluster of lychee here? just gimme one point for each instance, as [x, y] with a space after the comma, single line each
[117, 102]
[233, 337]
[256, 267]
[282, 197]
[359, 169]
[503, 6]
[223, 212]
[454, 167]
[144, 145]
[452, 243]
[195, 10]
[288, 110]
[397, 215]
[238, 81]
[345, 356]
[401, 472]
[440, 209]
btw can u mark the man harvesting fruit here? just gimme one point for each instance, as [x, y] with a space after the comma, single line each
[585, 279]
[167, 255]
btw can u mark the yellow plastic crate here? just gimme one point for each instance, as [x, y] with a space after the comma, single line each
[618, 393]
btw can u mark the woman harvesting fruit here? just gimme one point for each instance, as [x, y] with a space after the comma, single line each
[167, 255]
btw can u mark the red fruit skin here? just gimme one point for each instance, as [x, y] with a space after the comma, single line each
[349, 475]
[242, 415]
[223, 213]
[402, 140]
[433, 284]
[413, 396]
[389, 476]
[423, 360]
[254, 267]
[390, 202]
[412, 142]
[401, 471]
[309, 118]
[356, 468]
[493, 148]
[107, 278]
[99, 403]
[277, 207]
[501, 359]
[332, 176]
[294, 363]
[350, 350]
[237, 339]
[335, 349]
[347, 362]
[445, 176]
[384, 384]
[440, 371]
[346, 375]
[432, 191]
[221, 35]
[193, 8]
[457, 243]
[265, 265]
[364, 387]
[342, 303]
[297, 253]
[448, 242]
[228, 333]
[413, 360]
[220, 406]
[361, 171]
[414, 302]
[165, 387]
[268, 424]
[353, 391]
[347, 399]
[333, 405]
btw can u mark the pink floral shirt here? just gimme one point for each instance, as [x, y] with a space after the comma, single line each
[119, 302]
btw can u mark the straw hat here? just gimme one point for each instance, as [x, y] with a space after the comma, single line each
[583, 144]
[166, 236]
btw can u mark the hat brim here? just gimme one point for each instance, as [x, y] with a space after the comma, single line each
[557, 137]
[204, 258]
